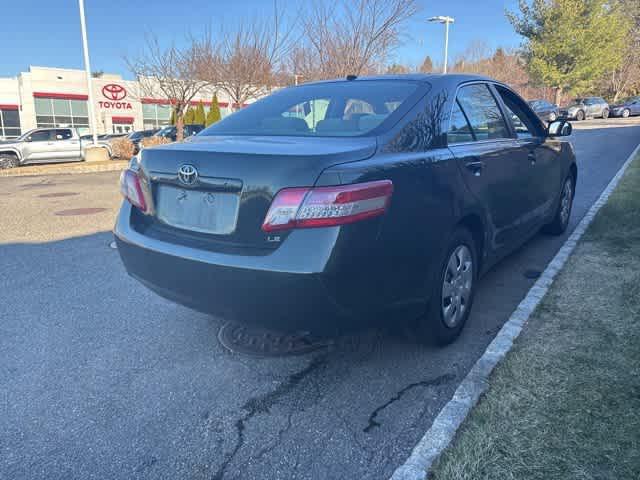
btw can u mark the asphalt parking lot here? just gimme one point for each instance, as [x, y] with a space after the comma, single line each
[100, 378]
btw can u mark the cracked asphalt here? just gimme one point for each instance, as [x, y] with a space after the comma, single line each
[100, 378]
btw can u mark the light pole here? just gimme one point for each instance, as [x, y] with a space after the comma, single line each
[87, 67]
[446, 21]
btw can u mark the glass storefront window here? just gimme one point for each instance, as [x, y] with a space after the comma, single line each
[9, 124]
[56, 112]
[155, 116]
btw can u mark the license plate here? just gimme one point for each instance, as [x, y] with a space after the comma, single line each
[197, 210]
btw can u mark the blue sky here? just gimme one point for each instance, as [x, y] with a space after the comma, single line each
[47, 33]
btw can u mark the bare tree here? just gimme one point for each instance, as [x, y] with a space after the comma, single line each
[351, 37]
[246, 63]
[170, 73]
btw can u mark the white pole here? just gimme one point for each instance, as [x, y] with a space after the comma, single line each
[87, 67]
[446, 44]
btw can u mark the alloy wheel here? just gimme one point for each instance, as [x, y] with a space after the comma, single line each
[626, 113]
[457, 286]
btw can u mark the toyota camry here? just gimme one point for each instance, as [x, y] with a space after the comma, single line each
[339, 204]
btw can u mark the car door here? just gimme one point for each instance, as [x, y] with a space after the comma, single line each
[489, 160]
[635, 107]
[37, 146]
[594, 107]
[541, 167]
[65, 145]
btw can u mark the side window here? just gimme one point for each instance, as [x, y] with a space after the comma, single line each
[63, 134]
[39, 136]
[482, 112]
[523, 120]
[459, 129]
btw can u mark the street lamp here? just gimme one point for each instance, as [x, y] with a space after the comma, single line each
[446, 21]
[87, 67]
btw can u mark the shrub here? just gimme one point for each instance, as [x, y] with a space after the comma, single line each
[199, 116]
[122, 148]
[153, 141]
[213, 115]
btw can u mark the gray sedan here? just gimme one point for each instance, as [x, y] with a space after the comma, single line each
[588, 107]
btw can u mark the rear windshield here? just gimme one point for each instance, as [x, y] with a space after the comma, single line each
[344, 109]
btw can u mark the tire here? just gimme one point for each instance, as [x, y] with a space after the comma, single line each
[605, 114]
[626, 113]
[8, 161]
[449, 307]
[580, 115]
[561, 218]
[553, 117]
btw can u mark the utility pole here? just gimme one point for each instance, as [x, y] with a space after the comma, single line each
[446, 21]
[87, 67]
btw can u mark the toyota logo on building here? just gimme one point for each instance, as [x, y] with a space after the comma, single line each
[114, 92]
[188, 175]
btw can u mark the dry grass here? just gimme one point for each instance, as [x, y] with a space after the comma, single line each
[565, 404]
[122, 148]
[153, 141]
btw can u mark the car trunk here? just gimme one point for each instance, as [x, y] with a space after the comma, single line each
[237, 178]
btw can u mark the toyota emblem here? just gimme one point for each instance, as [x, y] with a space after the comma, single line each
[188, 175]
[114, 92]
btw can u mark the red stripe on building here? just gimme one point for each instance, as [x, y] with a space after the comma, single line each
[163, 101]
[122, 120]
[7, 106]
[156, 101]
[62, 96]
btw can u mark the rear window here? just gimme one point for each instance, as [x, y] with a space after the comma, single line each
[340, 109]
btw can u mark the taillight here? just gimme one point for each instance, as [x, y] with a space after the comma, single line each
[131, 189]
[327, 206]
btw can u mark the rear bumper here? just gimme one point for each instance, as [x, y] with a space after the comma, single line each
[292, 288]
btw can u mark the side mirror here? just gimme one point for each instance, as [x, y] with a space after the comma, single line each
[28, 139]
[559, 128]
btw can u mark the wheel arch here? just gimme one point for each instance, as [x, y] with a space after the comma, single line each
[476, 226]
[11, 151]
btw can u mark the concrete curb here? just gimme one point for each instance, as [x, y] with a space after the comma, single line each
[66, 168]
[466, 396]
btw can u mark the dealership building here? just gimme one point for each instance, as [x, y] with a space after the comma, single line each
[57, 97]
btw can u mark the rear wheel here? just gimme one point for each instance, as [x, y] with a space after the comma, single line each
[580, 115]
[605, 113]
[626, 113]
[452, 293]
[560, 221]
[8, 161]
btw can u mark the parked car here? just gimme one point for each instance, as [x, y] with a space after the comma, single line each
[385, 199]
[170, 131]
[44, 145]
[547, 111]
[626, 108]
[136, 137]
[589, 107]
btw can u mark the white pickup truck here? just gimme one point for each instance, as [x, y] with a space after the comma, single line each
[44, 145]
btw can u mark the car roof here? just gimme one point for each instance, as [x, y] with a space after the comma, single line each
[420, 77]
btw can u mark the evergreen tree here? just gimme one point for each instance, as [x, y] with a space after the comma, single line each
[570, 44]
[213, 115]
[199, 115]
[189, 116]
[427, 65]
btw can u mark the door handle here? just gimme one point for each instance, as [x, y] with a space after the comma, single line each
[475, 167]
